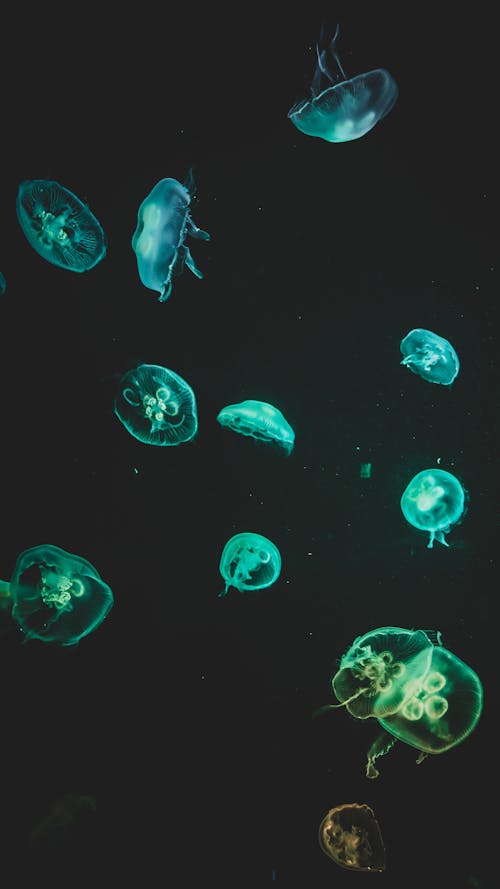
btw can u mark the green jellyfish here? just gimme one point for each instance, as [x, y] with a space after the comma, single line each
[433, 501]
[59, 226]
[156, 405]
[249, 561]
[55, 596]
[418, 691]
[259, 420]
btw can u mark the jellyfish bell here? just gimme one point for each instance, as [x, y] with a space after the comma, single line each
[156, 405]
[249, 562]
[59, 226]
[159, 241]
[56, 596]
[341, 109]
[350, 835]
[433, 501]
[430, 356]
[259, 420]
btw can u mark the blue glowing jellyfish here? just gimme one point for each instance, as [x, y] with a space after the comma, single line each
[430, 356]
[433, 501]
[249, 561]
[156, 405]
[3, 284]
[419, 692]
[259, 420]
[56, 596]
[341, 109]
[163, 223]
[59, 226]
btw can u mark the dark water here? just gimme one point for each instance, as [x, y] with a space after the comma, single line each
[187, 717]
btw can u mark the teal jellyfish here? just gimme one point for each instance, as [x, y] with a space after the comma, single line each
[259, 420]
[163, 224]
[59, 226]
[350, 835]
[249, 561]
[418, 691]
[56, 596]
[340, 108]
[430, 356]
[156, 405]
[3, 284]
[433, 501]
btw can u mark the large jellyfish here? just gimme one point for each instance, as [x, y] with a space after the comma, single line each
[259, 420]
[156, 405]
[418, 691]
[340, 108]
[433, 501]
[430, 356]
[249, 561]
[59, 226]
[56, 596]
[350, 835]
[163, 224]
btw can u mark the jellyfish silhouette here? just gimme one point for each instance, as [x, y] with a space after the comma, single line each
[156, 405]
[350, 835]
[433, 501]
[56, 596]
[259, 420]
[59, 226]
[163, 224]
[418, 691]
[430, 356]
[340, 108]
[249, 561]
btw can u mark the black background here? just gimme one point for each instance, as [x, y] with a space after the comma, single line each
[186, 716]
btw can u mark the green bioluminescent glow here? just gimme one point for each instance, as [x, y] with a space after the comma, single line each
[249, 561]
[433, 501]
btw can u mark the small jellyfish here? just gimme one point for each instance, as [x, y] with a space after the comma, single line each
[433, 501]
[418, 691]
[156, 405]
[163, 224]
[259, 420]
[3, 284]
[56, 596]
[249, 561]
[340, 108]
[59, 226]
[430, 356]
[350, 835]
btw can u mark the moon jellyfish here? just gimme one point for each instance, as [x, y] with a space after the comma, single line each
[156, 405]
[56, 596]
[350, 835]
[430, 356]
[259, 420]
[249, 561]
[59, 226]
[163, 224]
[433, 501]
[418, 691]
[340, 108]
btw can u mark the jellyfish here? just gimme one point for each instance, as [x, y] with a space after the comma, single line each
[430, 356]
[249, 561]
[56, 596]
[163, 224]
[156, 405]
[3, 284]
[59, 226]
[350, 835]
[340, 108]
[433, 501]
[259, 420]
[418, 691]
